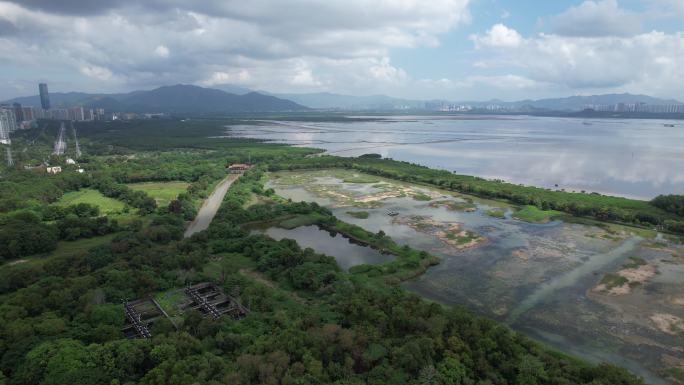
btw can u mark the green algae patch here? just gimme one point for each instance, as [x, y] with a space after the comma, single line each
[533, 214]
[359, 214]
[422, 197]
[496, 213]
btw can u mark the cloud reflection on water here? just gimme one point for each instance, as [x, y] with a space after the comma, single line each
[636, 158]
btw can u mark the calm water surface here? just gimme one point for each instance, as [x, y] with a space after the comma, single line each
[346, 253]
[630, 157]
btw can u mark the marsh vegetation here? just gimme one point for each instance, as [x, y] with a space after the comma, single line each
[529, 269]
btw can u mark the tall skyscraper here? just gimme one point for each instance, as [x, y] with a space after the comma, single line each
[44, 96]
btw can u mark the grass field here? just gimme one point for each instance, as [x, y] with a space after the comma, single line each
[93, 197]
[162, 192]
[64, 249]
[68, 248]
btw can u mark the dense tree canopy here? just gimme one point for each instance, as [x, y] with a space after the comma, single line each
[670, 203]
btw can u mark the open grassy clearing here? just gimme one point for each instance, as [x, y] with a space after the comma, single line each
[93, 197]
[162, 192]
[64, 249]
[67, 248]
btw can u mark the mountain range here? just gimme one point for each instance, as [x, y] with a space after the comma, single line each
[227, 98]
[333, 101]
[179, 99]
[382, 102]
[576, 103]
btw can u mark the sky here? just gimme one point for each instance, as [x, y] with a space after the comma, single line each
[446, 49]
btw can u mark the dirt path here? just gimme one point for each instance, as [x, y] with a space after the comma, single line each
[210, 206]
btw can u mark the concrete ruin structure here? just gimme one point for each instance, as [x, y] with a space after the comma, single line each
[206, 297]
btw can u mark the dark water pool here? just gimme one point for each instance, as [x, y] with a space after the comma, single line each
[346, 252]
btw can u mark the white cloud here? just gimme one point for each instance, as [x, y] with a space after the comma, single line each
[502, 81]
[597, 18]
[436, 83]
[220, 77]
[505, 82]
[96, 72]
[295, 45]
[385, 72]
[162, 51]
[498, 36]
[646, 62]
[303, 76]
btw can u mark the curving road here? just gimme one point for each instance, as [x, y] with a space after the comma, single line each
[210, 206]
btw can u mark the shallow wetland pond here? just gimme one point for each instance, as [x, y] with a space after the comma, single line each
[606, 294]
[346, 252]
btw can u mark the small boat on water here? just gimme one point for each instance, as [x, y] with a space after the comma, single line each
[668, 125]
[587, 123]
[392, 213]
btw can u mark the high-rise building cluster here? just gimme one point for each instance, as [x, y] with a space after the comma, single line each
[638, 107]
[16, 116]
[74, 113]
[8, 123]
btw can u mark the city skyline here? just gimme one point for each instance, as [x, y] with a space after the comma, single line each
[447, 49]
[654, 105]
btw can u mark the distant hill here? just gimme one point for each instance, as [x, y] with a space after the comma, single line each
[233, 89]
[576, 103]
[109, 103]
[193, 99]
[326, 100]
[227, 98]
[331, 101]
[179, 98]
